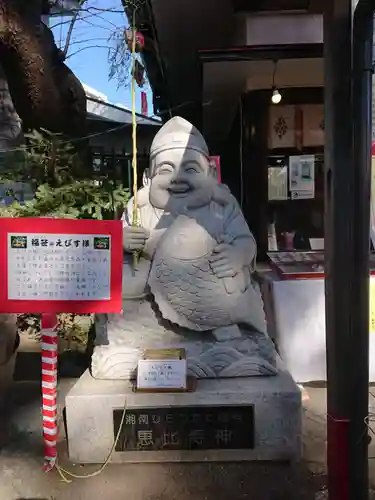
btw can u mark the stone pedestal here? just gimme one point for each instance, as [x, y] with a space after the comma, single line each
[275, 421]
[121, 340]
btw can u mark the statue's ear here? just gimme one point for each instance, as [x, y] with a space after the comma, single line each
[146, 177]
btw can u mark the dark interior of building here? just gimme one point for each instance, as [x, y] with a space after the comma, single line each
[219, 72]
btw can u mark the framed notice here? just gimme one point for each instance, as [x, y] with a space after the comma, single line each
[60, 265]
[161, 374]
[302, 176]
[277, 183]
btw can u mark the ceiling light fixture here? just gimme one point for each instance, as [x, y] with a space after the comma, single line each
[276, 96]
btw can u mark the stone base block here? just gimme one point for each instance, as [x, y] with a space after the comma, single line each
[276, 422]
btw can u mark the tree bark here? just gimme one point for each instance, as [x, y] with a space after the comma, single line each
[45, 92]
[10, 123]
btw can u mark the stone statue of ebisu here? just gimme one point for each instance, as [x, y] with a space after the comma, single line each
[192, 283]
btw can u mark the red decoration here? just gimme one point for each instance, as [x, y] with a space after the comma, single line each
[338, 457]
[139, 73]
[49, 351]
[144, 105]
[139, 40]
[47, 226]
[215, 161]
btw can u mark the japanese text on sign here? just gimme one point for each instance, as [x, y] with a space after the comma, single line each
[186, 428]
[166, 374]
[58, 266]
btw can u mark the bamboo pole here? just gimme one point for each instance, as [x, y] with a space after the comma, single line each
[134, 137]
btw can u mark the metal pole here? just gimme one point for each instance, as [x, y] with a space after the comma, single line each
[347, 211]
[362, 121]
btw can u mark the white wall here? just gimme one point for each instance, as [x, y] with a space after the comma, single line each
[279, 29]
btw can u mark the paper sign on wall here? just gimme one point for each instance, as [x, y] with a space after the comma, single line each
[277, 183]
[302, 176]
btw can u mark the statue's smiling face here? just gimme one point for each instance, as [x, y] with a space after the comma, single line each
[180, 178]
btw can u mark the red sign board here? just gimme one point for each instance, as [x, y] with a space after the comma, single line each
[60, 265]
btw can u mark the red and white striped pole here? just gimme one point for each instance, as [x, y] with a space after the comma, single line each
[49, 389]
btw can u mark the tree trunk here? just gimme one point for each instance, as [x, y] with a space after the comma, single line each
[10, 123]
[46, 94]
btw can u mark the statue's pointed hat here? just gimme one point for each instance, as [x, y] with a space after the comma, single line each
[178, 133]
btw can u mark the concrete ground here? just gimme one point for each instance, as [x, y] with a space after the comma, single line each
[22, 476]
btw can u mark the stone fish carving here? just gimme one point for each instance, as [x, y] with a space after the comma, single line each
[192, 287]
[186, 289]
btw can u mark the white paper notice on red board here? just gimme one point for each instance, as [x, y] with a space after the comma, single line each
[59, 266]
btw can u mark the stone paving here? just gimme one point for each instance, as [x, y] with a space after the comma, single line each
[22, 477]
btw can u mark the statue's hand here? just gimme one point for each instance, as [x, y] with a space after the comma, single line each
[134, 238]
[225, 261]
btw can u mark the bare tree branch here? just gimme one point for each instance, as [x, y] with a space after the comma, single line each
[90, 47]
[99, 16]
[118, 55]
[70, 30]
[109, 9]
[62, 23]
[94, 25]
[87, 40]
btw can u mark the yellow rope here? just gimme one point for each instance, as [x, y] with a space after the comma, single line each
[134, 137]
[65, 474]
